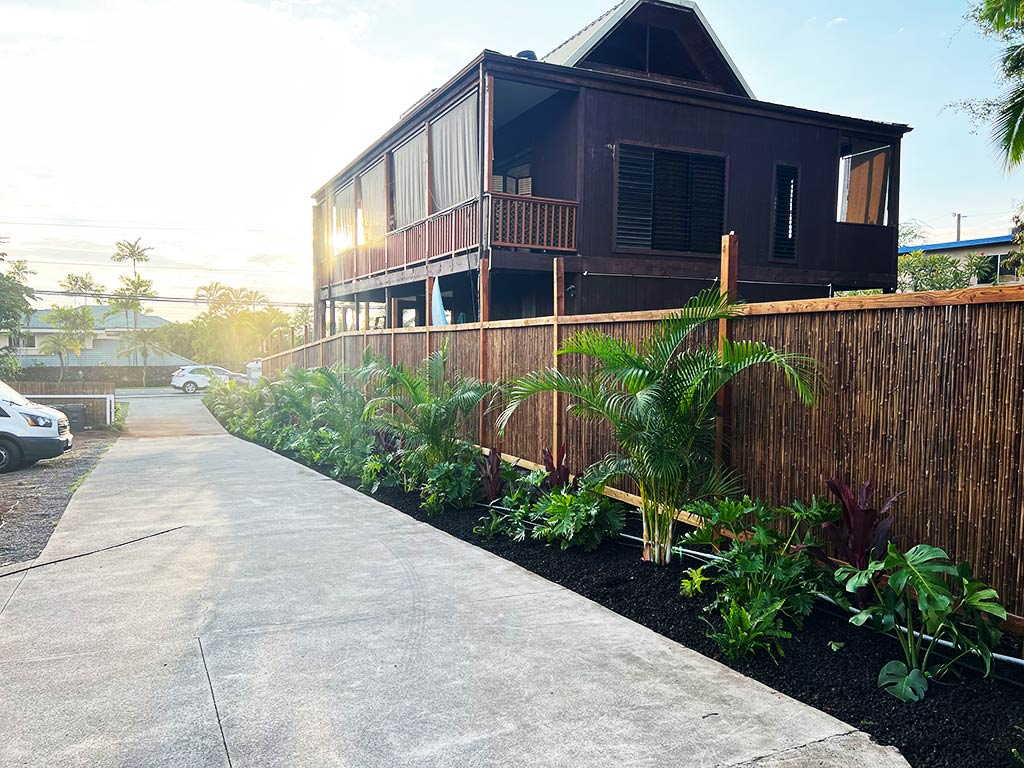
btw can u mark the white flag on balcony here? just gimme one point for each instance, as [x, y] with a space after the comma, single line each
[438, 317]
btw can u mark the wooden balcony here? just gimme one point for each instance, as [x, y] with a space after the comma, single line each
[533, 222]
[516, 222]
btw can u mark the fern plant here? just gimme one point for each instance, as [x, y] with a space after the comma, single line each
[659, 398]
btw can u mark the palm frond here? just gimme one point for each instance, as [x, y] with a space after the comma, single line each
[1008, 129]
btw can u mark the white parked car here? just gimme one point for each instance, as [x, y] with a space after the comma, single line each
[29, 431]
[192, 378]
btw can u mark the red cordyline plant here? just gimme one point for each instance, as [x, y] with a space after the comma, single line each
[862, 532]
[490, 474]
[559, 476]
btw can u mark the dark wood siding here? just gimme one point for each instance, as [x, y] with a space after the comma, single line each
[753, 145]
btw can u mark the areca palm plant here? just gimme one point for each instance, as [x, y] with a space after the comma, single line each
[659, 398]
[427, 410]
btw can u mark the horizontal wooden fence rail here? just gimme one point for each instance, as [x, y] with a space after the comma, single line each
[924, 393]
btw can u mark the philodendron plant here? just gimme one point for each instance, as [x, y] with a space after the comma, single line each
[922, 599]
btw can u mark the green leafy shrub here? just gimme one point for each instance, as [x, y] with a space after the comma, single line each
[120, 417]
[454, 484]
[751, 629]
[763, 572]
[314, 415]
[10, 367]
[926, 594]
[382, 466]
[577, 518]
[567, 516]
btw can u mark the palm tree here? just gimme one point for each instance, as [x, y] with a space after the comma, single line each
[227, 300]
[659, 398]
[142, 343]
[266, 323]
[209, 293]
[428, 409]
[84, 285]
[1004, 19]
[132, 252]
[57, 344]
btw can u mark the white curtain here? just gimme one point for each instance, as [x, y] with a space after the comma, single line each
[373, 194]
[410, 181]
[344, 217]
[454, 156]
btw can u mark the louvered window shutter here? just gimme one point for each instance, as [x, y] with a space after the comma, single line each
[636, 190]
[787, 190]
[670, 201]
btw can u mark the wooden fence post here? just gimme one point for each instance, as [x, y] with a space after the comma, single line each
[396, 322]
[730, 274]
[428, 311]
[484, 304]
[558, 309]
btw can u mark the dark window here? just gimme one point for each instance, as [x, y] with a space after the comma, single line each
[670, 201]
[787, 191]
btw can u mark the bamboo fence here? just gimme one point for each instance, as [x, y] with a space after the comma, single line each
[924, 393]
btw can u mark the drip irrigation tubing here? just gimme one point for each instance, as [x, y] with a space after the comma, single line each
[708, 557]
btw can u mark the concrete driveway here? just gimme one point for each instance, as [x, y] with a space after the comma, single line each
[266, 616]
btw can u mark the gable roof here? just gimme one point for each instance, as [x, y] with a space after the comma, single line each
[579, 46]
[100, 320]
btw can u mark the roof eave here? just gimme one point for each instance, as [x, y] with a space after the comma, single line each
[702, 93]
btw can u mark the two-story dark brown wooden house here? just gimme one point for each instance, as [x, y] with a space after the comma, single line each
[628, 151]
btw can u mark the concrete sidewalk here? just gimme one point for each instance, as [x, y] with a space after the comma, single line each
[281, 619]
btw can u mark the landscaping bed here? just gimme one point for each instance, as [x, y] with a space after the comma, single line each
[754, 605]
[33, 499]
[968, 725]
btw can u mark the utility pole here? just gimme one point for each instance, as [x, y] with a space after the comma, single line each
[958, 217]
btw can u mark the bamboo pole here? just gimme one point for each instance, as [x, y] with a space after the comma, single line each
[484, 286]
[558, 309]
[730, 275]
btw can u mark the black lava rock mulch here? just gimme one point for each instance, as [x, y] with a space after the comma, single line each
[830, 664]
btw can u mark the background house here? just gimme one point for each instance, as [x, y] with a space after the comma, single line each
[628, 151]
[101, 346]
[997, 248]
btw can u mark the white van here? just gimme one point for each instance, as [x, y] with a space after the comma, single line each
[29, 431]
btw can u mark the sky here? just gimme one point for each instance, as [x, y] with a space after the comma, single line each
[203, 126]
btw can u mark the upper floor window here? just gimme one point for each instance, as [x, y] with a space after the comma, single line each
[669, 200]
[864, 168]
[787, 190]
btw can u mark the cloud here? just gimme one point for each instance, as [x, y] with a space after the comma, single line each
[836, 21]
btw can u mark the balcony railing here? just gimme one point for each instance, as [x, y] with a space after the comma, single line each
[517, 222]
[533, 222]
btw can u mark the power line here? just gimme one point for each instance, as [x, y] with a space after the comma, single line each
[166, 299]
[154, 266]
[93, 224]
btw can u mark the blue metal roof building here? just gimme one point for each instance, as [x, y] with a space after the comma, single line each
[991, 244]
